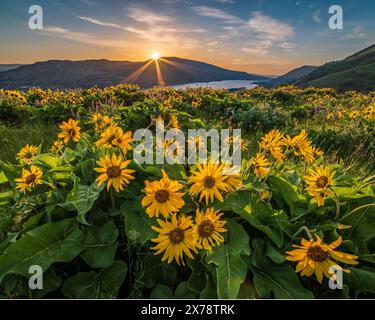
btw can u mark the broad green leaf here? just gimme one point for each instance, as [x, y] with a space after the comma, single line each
[270, 277]
[3, 178]
[48, 160]
[183, 291]
[161, 291]
[297, 203]
[51, 282]
[361, 218]
[91, 285]
[231, 270]
[137, 222]
[258, 214]
[100, 245]
[82, 197]
[155, 271]
[52, 242]
[360, 279]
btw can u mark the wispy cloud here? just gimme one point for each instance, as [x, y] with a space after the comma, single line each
[316, 16]
[82, 37]
[147, 16]
[357, 33]
[225, 1]
[258, 48]
[101, 23]
[216, 13]
[268, 28]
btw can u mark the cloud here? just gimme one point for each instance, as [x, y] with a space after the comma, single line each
[357, 33]
[225, 1]
[258, 48]
[101, 23]
[316, 17]
[216, 13]
[268, 28]
[82, 37]
[147, 16]
[286, 45]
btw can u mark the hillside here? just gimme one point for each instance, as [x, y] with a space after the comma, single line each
[6, 67]
[356, 72]
[62, 74]
[289, 77]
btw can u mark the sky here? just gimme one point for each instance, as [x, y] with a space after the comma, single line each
[258, 36]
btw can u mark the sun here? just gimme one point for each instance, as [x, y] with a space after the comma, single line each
[155, 55]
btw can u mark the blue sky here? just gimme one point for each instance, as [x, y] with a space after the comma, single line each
[260, 36]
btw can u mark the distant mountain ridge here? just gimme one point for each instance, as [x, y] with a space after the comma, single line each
[356, 72]
[63, 74]
[6, 67]
[289, 77]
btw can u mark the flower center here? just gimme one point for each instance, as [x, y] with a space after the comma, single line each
[208, 181]
[72, 132]
[322, 182]
[317, 254]
[31, 178]
[176, 236]
[113, 172]
[29, 155]
[206, 228]
[162, 196]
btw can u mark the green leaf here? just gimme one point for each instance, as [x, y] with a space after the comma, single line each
[52, 242]
[297, 203]
[91, 285]
[161, 291]
[137, 222]
[51, 282]
[231, 270]
[258, 214]
[270, 277]
[82, 197]
[48, 160]
[183, 291]
[362, 221]
[360, 279]
[101, 244]
[156, 271]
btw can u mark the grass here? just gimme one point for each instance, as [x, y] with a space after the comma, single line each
[12, 138]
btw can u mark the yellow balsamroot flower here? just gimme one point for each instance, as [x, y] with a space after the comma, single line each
[114, 171]
[175, 239]
[211, 179]
[69, 130]
[319, 179]
[196, 141]
[163, 197]
[272, 144]
[113, 137]
[259, 165]
[330, 116]
[57, 146]
[173, 122]
[319, 184]
[29, 179]
[300, 146]
[317, 152]
[101, 122]
[208, 228]
[353, 114]
[320, 196]
[27, 153]
[317, 257]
